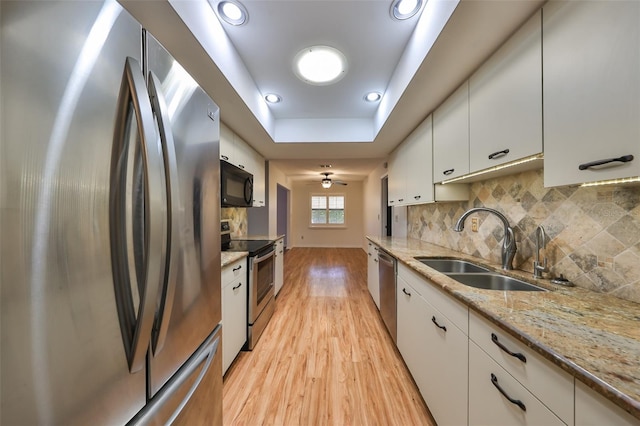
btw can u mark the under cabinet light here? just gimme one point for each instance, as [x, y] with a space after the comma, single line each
[496, 168]
[621, 181]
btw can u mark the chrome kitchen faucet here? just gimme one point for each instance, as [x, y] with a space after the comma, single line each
[508, 243]
[541, 243]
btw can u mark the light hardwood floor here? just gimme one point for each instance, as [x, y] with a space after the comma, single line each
[325, 358]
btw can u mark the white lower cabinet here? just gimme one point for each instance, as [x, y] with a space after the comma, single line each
[372, 273]
[434, 349]
[279, 272]
[496, 398]
[593, 409]
[234, 311]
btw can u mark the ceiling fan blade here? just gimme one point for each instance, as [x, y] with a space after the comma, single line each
[338, 182]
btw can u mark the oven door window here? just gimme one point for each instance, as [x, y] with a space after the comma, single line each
[265, 278]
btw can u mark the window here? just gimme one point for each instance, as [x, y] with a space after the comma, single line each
[327, 210]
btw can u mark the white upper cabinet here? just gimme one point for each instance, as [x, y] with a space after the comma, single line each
[227, 144]
[451, 136]
[591, 74]
[418, 164]
[236, 151]
[505, 101]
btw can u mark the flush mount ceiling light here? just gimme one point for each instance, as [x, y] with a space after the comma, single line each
[231, 11]
[372, 97]
[404, 9]
[320, 65]
[272, 98]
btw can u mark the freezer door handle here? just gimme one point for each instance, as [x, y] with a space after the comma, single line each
[137, 215]
[155, 409]
[167, 144]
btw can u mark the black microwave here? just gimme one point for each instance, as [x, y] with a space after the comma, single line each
[236, 186]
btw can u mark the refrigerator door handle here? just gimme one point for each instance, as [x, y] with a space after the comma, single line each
[159, 107]
[137, 215]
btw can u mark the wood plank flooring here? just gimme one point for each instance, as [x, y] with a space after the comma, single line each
[325, 358]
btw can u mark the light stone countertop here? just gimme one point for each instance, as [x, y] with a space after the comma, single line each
[593, 336]
[228, 257]
[259, 237]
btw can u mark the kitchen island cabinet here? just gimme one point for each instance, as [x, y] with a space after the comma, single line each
[591, 74]
[505, 101]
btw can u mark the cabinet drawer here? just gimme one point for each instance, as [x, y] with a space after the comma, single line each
[488, 406]
[232, 272]
[455, 311]
[549, 383]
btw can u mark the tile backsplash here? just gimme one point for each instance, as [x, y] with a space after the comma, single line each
[593, 234]
[238, 220]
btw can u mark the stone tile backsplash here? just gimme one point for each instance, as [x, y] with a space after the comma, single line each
[593, 234]
[238, 220]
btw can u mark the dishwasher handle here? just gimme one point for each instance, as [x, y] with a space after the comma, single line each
[387, 259]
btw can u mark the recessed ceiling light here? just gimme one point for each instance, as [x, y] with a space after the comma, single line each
[405, 9]
[372, 97]
[320, 65]
[231, 11]
[272, 98]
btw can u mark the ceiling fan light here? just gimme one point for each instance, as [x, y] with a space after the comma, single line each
[326, 183]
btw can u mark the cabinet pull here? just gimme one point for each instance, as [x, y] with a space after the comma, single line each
[237, 269]
[391, 201]
[237, 287]
[521, 357]
[241, 166]
[498, 154]
[400, 200]
[623, 159]
[417, 197]
[494, 381]
[404, 290]
[225, 158]
[448, 172]
[375, 260]
[441, 327]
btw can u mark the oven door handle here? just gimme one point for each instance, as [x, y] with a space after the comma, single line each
[265, 257]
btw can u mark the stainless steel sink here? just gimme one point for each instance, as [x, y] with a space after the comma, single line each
[448, 266]
[494, 282]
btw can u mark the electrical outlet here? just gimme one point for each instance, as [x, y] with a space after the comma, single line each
[474, 224]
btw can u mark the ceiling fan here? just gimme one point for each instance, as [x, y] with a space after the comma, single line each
[326, 182]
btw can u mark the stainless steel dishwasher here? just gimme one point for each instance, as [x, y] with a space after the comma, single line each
[387, 266]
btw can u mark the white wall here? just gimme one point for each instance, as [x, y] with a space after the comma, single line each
[302, 235]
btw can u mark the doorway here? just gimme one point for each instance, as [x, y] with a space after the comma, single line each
[282, 212]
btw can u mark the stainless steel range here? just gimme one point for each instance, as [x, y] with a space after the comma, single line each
[260, 281]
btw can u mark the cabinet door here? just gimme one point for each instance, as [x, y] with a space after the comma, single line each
[259, 180]
[591, 78]
[505, 101]
[397, 184]
[489, 406]
[593, 409]
[418, 164]
[227, 144]
[451, 136]
[279, 272]
[234, 320]
[436, 353]
[372, 273]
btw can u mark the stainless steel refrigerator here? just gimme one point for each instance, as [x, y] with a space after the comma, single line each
[109, 214]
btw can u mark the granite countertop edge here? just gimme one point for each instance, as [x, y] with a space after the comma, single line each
[229, 257]
[529, 316]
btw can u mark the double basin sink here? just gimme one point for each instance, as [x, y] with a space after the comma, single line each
[477, 276]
